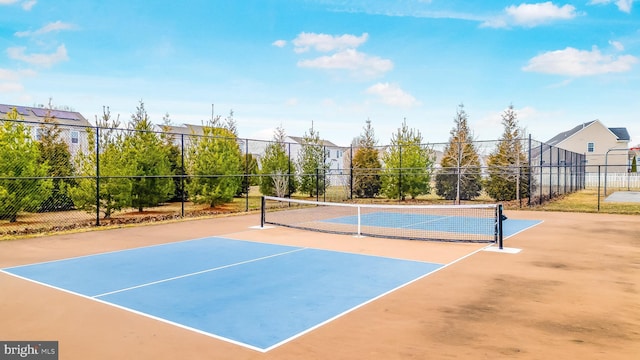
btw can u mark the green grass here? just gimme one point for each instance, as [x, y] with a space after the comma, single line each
[587, 201]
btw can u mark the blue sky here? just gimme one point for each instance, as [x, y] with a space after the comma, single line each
[334, 62]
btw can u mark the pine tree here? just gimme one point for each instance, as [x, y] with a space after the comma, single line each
[366, 165]
[54, 151]
[507, 165]
[277, 167]
[19, 166]
[152, 181]
[104, 153]
[408, 165]
[459, 175]
[311, 164]
[214, 166]
[172, 147]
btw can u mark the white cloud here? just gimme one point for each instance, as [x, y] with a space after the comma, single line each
[350, 59]
[327, 43]
[574, 62]
[530, 15]
[44, 60]
[616, 45]
[279, 43]
[291, 102]
[29, 4]
[51, 27]
[11, 87]
[26, 5]
[393, 95]
[623, 5]
[12, 75]
[10, 80]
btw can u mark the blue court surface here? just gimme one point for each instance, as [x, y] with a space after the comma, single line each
[253, 294]
[440, 223]
[452, 224]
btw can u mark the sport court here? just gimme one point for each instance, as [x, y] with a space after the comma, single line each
[258, 295]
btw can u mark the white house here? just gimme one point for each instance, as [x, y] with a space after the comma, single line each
[72, 124]
[600, 144]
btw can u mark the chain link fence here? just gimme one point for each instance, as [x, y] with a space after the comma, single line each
[55, 177]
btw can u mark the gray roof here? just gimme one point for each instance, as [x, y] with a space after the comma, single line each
[327, 143]
[38, 114]
[620, 133]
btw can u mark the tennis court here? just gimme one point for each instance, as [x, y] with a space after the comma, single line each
[235, 292]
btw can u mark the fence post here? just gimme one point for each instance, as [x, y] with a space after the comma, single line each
[598, 188]
[97, 176]
[529, 178]
[182, 175]
[400, 173]
[351, 172]
[247, 179]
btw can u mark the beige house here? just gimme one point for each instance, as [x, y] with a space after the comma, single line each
[600, 144]
[72, 124]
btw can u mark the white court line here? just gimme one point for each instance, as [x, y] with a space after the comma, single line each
[371, 300]
[197, 273]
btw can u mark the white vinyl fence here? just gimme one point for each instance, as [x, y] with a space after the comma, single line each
[629, 181]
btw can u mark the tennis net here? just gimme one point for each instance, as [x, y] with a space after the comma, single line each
[454, 223]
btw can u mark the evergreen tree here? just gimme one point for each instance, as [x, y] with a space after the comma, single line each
[54, 151]
[459, 175]
[249, 166]
[277, 168]
[312, 164]
[408, 165]
[171, 144]
[507, 164]
[152, 181]
[214, 165]
[104, 153]
[366, 165]
[19, 165]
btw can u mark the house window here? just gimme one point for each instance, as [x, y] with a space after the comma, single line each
[339, 154]
[75, 137]
[39, 133]
[328, 153]
[591, 147]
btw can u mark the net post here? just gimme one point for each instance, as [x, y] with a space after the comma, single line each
[500, 233]
[263, 209]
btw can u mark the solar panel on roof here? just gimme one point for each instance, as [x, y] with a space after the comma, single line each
[58, 114]
[20, 109]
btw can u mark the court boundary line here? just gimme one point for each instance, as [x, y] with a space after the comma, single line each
[199, 272]
[223, 236]
[137, 248]
[443, 266]
[153, 317]
[524, 229]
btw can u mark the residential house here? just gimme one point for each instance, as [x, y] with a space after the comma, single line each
[600, 144]
[334, 158]
[72, 124]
